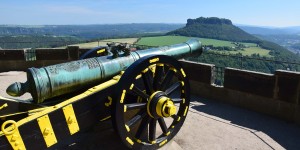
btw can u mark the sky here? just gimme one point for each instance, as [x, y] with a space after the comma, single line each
[275, 13]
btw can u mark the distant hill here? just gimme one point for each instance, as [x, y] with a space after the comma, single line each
[288, 37]
[270, 30]
[24, 36]
[223, 29]
[214, 28]
[37, 41]
[90, 31]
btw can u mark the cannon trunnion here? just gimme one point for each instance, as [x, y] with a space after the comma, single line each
[147, 103]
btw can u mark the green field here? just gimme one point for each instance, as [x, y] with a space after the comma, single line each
[216, 43]
[162, 40]
[249, 51]
[169, 40]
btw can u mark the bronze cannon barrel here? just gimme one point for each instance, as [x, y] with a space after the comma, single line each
[51, 81]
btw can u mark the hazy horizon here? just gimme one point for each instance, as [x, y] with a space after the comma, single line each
[262, 13]
[270, 27]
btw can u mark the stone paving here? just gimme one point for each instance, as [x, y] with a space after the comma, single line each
[213, 125]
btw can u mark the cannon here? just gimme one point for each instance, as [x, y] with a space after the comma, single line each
[139, 90]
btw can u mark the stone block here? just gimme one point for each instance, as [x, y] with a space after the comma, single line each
[12, 54]
[52, 54]
[285, 111]
[199, 71]
[297, 115]
[250, 82]
[73, 52]
[288, 86]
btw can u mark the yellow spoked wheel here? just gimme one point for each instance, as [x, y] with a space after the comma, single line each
[151, 101]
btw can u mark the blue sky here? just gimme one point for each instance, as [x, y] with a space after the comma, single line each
[277, 13]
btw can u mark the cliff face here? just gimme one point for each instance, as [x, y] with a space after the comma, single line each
[214, 28]
[211, 20]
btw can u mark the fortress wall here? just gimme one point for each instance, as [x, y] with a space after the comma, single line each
[69, 53]
[14, 54]
[52, 54]
[22, 65]
[274, 94]
[21, 59]
[199, 71]
[249, 81]
[288, 86]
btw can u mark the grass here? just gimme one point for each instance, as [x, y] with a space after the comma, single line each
[255, 50]
[250, 44]
[169, 40]
[216, 43]
[249, 51]
[162, 40]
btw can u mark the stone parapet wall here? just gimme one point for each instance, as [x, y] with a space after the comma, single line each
[250, 82]
[14, 54]
[274, 94]
[199, 71]
[21, 65]
[21, 59]
[288, 86]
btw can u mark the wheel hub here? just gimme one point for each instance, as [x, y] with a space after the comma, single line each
[160, 105]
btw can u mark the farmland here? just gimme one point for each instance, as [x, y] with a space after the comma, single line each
[249, 51]
[251, 48]
[162, 40]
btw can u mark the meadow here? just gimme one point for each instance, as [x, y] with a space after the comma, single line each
[162, 40]
[251, 50]
[169, 40]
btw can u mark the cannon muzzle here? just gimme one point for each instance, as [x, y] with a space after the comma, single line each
[55, 80]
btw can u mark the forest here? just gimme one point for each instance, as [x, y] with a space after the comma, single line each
[37, 41]
[223, 29]
[246, 56]
[88, 32]
[26, 36]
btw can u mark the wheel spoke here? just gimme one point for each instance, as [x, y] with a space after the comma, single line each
[147, 78]
[135, 106]
[163, 125]
[142, 128]
[139, 92]
[136, 119]
[167, 79]
[175, 117]
[152, 130]
[158, 77]
[177, 100]
[173, 88]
